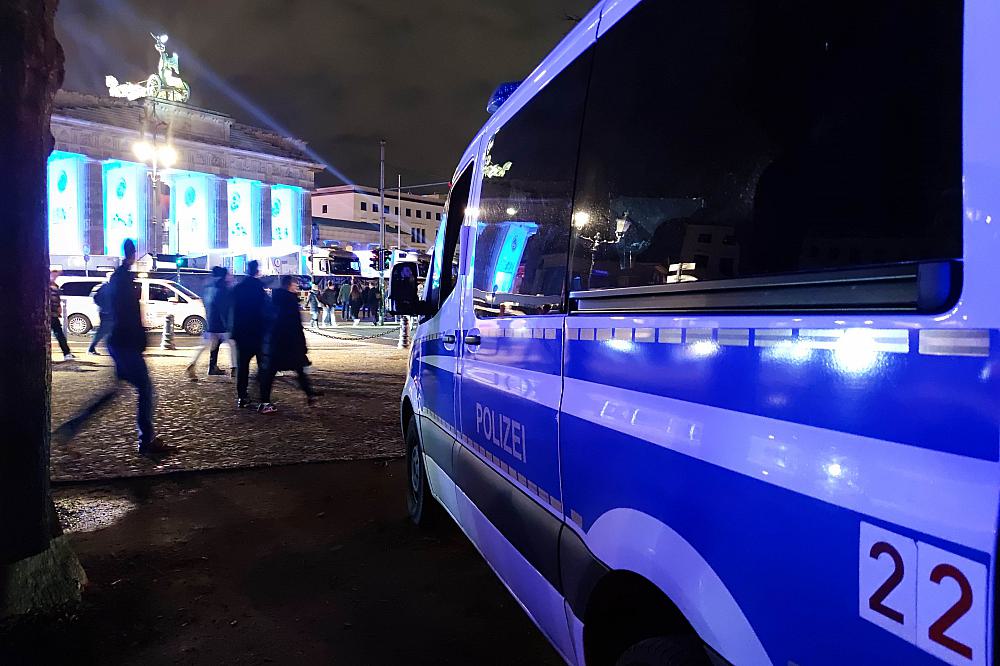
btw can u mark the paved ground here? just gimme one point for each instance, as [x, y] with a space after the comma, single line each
[357, 418]
[310, 564]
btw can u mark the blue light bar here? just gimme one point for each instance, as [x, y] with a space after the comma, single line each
[500, 95]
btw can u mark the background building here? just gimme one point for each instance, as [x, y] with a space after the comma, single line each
[349, 215]
[229, 192]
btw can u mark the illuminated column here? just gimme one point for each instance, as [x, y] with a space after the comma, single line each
[148, 242]
[221, 235]
[262, 229]
[93, 192]
[305, 218]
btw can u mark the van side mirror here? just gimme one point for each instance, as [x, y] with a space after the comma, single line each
[403, 298]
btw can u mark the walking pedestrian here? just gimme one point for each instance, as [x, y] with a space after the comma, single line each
[126, 344]
[329, 300]
[55, 315]
[217, 312]
[312, 302]
[375, 298]
[285, 345]
[248, 324]
[344, 298]
[366, 305]
[102, 300]
[354, 298]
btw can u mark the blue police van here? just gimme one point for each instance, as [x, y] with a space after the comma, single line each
[708, 361]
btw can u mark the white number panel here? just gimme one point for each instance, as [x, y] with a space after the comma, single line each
[923, 594]
[887, 574]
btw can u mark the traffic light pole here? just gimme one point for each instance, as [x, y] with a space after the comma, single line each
[381, 229]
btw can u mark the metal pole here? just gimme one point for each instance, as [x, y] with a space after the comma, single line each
[381, 229]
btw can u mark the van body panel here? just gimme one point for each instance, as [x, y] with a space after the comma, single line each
[757, 467]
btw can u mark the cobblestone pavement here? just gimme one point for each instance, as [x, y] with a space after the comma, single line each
[356, 419]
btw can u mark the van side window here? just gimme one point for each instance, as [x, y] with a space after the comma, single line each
[444, 264]
[78, 288]
[526, 201]
[157, 292]
[753, 138]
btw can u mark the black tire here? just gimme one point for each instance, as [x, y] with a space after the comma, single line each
[78, 324]
[423, 508]
[194, 325]
[666, 651]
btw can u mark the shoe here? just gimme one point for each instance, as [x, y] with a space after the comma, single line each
[68, 357]
[192, 375]
[94, 352]
[216, 372]
[266, 408]
[243, 403]
[156, 449]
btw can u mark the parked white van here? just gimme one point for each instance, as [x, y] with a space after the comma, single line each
[158, 299]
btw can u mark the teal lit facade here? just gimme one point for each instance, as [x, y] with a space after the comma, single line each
[192, 212]
[125, 208]
[66, 202]
[285, 212]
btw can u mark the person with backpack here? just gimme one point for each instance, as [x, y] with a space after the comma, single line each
[217, 310]
[104, 309]
[314, 305]
[285, 345]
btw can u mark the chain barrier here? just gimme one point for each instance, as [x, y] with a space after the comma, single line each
[392, 331]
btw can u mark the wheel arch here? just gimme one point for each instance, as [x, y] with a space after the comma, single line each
[406, 411]
[623, 609]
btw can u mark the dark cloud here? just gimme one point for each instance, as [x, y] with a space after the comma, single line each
[338, 74]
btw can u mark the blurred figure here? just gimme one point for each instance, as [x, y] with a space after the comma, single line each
[366, 304]
[344, 298]
[247, 326]
[101, 299]
[126, 344]
[217, 312]
[354, 300]
[329, 300]
[312, 302]
[375, 298]
[55, 315]
[285, 347]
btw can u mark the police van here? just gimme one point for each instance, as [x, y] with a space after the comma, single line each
[708, 361]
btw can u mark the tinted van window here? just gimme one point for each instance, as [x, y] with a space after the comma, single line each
[81, 288]
[526, 201]
[740, 138]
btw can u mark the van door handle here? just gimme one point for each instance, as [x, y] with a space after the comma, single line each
[473, 340]
[449, 339]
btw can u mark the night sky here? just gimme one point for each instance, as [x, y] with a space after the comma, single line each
[338, 74]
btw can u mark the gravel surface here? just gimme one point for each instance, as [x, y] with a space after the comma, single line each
[357, 417]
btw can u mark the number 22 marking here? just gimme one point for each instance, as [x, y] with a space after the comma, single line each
[894, 579]
[953, 614]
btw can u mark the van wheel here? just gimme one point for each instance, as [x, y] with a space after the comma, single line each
[194, 325]
[78, 324]
[423, 509]
[666, 651]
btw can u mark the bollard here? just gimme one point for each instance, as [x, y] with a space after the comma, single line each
[404, 334]
[62, 315]
[167, 340]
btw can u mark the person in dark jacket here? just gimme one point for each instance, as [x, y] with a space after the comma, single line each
[285, 346]
[250, 310]
[366, 303]
[104, 309]
[55, 315]
[329, 300]
[354, 298]
[344, 299]
[126, 344]
[217, 310]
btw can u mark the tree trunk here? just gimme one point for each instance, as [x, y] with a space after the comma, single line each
[37, 569]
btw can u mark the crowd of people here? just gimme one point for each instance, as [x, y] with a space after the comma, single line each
[354, 300]
[257, 326]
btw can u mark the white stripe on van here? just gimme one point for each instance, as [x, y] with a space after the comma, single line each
[870, 476]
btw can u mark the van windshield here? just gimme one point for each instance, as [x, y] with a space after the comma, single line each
[184, 290]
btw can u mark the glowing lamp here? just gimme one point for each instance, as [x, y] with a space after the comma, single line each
[143, 150]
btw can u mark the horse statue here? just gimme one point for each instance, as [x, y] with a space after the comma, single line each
[165, 84]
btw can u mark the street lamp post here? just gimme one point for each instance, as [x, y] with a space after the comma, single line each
[157, 156]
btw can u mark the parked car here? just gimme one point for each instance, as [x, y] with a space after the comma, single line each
[158, 298]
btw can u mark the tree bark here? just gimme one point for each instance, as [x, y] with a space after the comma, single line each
[31, 70]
